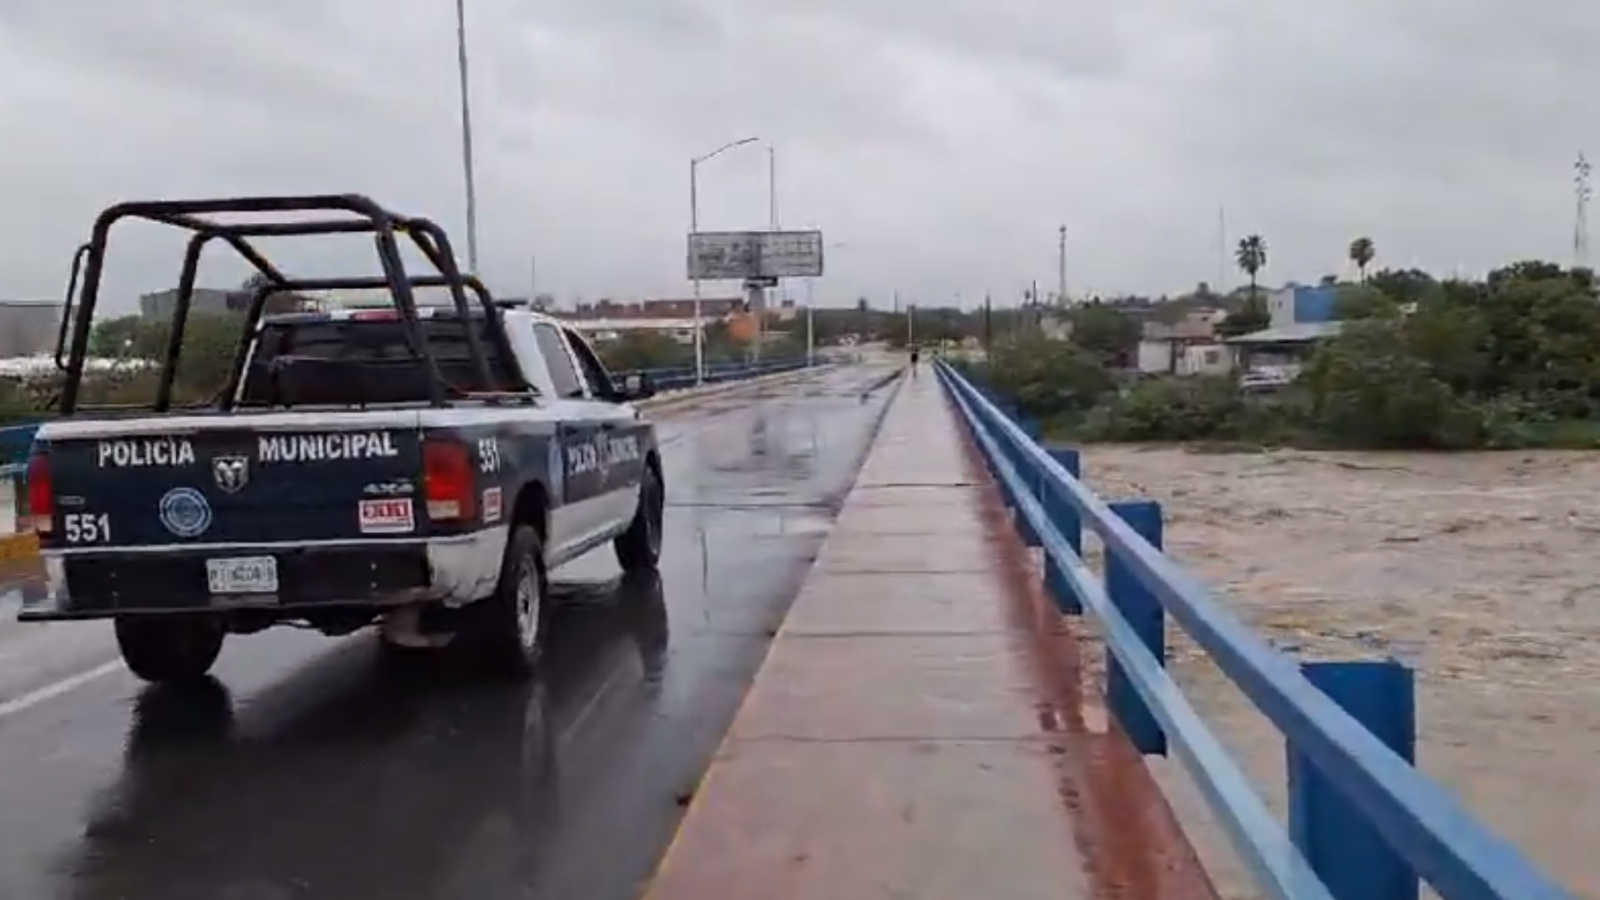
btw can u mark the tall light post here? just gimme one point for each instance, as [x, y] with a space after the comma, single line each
[811, 323]
[811, 284]
[466, 137]
[772, 225]
[694, 228]
[1061, 273]
[1583, 193]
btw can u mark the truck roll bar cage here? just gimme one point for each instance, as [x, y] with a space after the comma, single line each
[190, 215]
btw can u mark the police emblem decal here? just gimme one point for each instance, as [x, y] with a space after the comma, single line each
[184, 512]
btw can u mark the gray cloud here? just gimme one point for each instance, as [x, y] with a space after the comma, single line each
[941, 142]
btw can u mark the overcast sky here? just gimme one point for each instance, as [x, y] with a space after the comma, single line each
[941, 142]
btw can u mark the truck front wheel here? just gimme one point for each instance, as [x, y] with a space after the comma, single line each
[165, 649]
[639, 548]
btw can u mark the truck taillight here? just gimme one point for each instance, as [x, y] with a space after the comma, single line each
[448, 483]
[41, 494]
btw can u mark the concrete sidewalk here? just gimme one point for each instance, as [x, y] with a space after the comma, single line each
[918, 730]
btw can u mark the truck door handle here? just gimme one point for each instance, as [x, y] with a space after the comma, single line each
[608, 426]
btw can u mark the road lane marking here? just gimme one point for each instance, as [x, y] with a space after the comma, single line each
[58, 688]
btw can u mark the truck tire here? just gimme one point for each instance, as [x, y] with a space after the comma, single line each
[168, 649]
[516, 615]
[639, 548]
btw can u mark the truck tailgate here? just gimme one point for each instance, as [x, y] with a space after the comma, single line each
[236, 484]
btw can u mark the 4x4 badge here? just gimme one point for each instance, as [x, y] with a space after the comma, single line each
[232, 473]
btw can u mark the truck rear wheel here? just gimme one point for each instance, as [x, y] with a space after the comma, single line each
[639, 548]
[515, 617]
[166, 649]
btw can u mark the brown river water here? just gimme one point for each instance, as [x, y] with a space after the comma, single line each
[1481, 570]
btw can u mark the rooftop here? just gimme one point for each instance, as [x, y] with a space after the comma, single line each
[1295, 333]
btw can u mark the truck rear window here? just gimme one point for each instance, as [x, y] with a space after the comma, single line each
[321, 362]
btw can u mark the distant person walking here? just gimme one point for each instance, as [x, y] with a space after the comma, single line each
[916, 357]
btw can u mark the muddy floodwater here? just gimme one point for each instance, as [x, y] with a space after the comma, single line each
[1481, 570]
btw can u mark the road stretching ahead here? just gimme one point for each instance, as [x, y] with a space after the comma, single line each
[306, 771]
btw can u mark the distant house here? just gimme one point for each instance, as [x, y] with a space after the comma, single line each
[1282, 348]
[1186, 347]
[160, 304]
[1302, 317]
[1300, 304]
[614, 310]
[214, 302]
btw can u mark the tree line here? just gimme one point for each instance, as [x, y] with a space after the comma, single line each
[1511, 360]
[211, 341]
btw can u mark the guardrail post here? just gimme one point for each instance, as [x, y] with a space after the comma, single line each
[1032, 476]
[1064, 516]
[1143, 611]
[1342, 847]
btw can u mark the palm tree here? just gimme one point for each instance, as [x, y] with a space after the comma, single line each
[1362, 252]
[1251, 256]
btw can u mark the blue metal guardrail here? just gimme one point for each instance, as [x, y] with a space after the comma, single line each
[1364, 823]
[16, 439]
[677, 377]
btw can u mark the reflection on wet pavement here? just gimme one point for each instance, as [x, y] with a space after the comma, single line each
[310, 770]
[382, 779]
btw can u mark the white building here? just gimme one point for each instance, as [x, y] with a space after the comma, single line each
[28, 326]
[1187, 347]
[602, 330]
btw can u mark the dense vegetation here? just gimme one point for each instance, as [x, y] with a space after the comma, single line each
[1510, 361]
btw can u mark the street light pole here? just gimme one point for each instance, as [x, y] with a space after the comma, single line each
[466, 137]
[811, 327]
[772, 225]
[1061, 274]
[694, 271]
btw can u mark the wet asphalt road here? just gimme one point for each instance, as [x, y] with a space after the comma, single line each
[307, 771]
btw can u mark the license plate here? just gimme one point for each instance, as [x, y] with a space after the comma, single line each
[243, 575]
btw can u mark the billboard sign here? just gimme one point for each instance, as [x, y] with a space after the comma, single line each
[738, 255]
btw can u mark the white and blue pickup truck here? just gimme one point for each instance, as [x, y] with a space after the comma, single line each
[422, 468]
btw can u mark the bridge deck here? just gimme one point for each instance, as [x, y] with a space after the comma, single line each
[921, 728]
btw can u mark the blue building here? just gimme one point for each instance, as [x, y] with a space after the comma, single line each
[1299, 305]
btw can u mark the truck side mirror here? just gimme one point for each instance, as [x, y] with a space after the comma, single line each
[638, 386]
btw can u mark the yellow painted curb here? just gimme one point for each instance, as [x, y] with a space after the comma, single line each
[21, 546]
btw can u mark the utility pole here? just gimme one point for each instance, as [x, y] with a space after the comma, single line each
[1580, 226]
[1061, 274]
[466, 137]
[694, 229]
[811, 326]
[772, 225]
[772, 185]
[1222, 250]
[988, 323]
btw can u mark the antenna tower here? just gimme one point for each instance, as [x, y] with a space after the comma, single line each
[1582, 193]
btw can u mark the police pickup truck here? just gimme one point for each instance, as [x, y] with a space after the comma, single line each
[323, 487]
